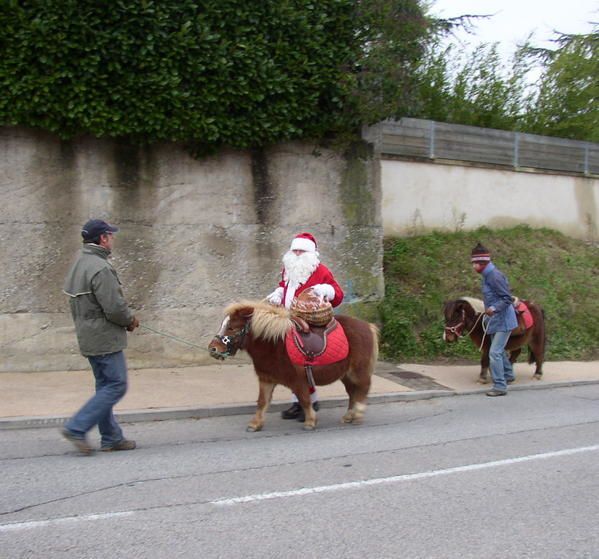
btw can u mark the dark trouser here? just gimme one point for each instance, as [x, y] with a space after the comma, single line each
[110, 371]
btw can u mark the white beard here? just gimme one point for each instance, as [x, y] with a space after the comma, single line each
[299, 268]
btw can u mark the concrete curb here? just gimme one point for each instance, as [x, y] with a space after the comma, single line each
[222, 410]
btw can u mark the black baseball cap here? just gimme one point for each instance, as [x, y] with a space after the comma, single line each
[96, 227]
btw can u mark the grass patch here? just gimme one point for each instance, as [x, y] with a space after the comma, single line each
[422, 272]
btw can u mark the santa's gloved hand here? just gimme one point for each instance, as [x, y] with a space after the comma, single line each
[324, 290]
[276, 297]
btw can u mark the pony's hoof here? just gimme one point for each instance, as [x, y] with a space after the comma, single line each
[537, 376]
[353, 421]
[308, 427]
[482, 380]
[253, 428]
[347, 418]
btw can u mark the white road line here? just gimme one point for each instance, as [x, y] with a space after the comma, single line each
[15, 526]
[396, 479]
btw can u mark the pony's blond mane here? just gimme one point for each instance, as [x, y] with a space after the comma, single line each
[476, 304]
[269, 322]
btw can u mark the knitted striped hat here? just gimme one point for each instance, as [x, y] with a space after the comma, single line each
[480, 254]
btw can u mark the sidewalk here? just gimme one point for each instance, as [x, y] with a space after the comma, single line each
[48, 398]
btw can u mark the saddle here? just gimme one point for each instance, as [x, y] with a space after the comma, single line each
[316, 338]
[311, 341]
[316, 345]
[524, 316]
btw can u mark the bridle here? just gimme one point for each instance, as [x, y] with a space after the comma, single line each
[458, 328]
[232, 343]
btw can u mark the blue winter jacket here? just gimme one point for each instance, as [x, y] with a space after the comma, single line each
[497, 296]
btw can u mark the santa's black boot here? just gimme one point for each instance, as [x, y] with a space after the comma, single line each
[293, 412]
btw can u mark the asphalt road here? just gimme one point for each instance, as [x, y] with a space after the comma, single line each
[463, 477]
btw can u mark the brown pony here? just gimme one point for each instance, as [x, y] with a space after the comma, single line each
[260, 328]
[464, 316]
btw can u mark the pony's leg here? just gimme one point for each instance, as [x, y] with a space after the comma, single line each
[350, 388]
[538, 360]
[357, 401]
[514, 354]
[355, 414]
[264, 398]
[483, 377]
[303, 395]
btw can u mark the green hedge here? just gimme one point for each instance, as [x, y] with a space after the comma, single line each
[209, 72]
[213, 71]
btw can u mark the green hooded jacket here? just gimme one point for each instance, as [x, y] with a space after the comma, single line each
[98, 305]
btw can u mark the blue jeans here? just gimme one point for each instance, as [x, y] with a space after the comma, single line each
[110, 371]
[501, 367]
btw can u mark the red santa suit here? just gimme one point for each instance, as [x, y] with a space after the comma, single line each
[303, 270]
[309, 273]
[322, 275]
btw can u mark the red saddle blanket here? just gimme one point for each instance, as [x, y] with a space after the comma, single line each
[525, 313]
[336, 348]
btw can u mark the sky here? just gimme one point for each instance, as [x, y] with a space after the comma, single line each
[515, 19]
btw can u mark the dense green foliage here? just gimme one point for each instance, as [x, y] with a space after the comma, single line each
[245, 74]
[422, 272]
[567, 103]
[480, 89]
[208, 72]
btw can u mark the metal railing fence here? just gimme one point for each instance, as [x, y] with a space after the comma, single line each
[432, 140]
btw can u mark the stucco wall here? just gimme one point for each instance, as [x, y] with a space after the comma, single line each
[420, 196]
[195, 235]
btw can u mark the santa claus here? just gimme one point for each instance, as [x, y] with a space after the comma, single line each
[303, 270]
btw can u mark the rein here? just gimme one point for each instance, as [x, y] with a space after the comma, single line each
[172, 337]
[457, 328]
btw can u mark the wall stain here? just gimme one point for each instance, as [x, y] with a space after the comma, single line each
[263, 191]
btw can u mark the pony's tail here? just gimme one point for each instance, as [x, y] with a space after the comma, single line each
[375, 350]
[532, 358]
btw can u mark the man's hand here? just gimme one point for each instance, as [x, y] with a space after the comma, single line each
[489, 311]
[134, 324]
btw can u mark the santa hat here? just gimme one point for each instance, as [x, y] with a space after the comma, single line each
[480, 254]
[304, 241]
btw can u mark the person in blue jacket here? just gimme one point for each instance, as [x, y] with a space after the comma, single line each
[500, 320]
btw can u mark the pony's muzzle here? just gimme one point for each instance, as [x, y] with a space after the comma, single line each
[214, 352]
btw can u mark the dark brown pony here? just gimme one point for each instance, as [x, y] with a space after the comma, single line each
[464, 317]
[260, 328]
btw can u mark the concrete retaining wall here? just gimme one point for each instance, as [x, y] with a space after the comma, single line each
[195, 235]
[419, 196]
[198, 234]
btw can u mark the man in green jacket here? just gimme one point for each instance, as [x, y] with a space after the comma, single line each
[102, 319]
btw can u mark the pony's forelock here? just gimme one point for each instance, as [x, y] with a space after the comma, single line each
[269, 322]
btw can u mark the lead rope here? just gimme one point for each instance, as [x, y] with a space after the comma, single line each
[176, 338]
[484, 330]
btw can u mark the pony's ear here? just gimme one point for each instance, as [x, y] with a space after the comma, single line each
[245, 312]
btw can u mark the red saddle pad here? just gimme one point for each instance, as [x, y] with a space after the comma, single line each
[526, 314]
[337, 348]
